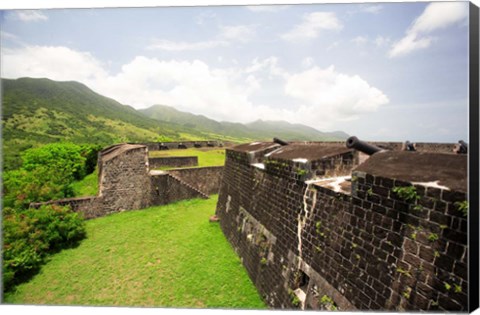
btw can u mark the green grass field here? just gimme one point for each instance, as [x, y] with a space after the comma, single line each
[88, 186]
[168, 256]
[206, 156]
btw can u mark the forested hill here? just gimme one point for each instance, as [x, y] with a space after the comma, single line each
[40, 111]
[258, 130]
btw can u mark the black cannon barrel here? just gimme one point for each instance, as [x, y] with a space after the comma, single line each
[354, 143]
[279, 141]
[462, 147]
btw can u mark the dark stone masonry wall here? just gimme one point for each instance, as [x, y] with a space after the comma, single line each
[172, 161]
[306, 246]
[124, 182]
[205, 179]
[168, 189]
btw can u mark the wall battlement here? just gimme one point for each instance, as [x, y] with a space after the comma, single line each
[318, 225]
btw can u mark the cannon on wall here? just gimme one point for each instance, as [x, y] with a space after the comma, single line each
[354, 143]
[279, 141]
[461, 147]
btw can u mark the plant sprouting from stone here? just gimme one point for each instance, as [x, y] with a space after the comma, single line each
[447, 286]
[328, 303]
[457, 288]
[462, 206]
[407, 292]
[432, 237]
[408, 193]
[293, 298]
[404, 272]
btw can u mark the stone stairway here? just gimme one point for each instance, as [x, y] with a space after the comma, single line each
[179, 180]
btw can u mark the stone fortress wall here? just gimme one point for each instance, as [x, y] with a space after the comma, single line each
[314, 228]
[126, 182]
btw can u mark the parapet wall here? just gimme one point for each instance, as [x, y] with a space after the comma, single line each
[172, 161]
[307, 242]
[157, 146]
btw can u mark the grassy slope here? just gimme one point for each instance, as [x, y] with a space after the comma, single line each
[167, 256]
[206, 157]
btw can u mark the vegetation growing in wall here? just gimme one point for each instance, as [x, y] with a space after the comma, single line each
[408, 193]
[327, 303]
[462, 206]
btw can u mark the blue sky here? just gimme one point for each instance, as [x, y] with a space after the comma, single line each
[381, 71]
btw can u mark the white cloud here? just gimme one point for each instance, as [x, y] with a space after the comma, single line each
[408, 44]
[436, 16]
[374, 9]
[317, 97]
[311, 26]
[30, 16]
[267, 8]
[6, 35]
[308, 62]
[381, 41]
[182, 46]
[334, 45]
[227, 35]
[440, 15]
[205, 16]
[54, 62]
[242, 33]
[330, 95]
[360, 40]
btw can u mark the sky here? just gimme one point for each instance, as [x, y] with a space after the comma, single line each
[380, 71]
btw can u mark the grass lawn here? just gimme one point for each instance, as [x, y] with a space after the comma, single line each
[88, 186]
[168, 256]
[206, 156]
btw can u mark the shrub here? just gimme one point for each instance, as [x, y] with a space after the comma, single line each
[90, 153]
[29, 236]
[65, 159]
[21, 187]
[48, 173]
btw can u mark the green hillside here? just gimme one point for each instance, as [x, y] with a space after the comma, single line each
[40, 111]
[258, 130]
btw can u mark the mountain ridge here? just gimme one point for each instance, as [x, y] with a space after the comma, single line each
[259, 129]
[41, 111]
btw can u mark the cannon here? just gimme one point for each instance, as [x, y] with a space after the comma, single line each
[279, 141]
[354, 143]
[461, 147]
[408, 146]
